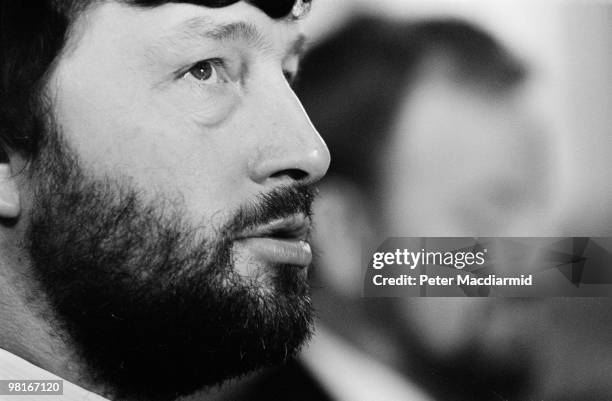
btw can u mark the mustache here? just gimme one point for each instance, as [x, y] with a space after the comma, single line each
[278, 203]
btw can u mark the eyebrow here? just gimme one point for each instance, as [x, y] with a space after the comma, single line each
[202, 28]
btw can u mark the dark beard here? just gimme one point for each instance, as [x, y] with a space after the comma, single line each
[155, 311]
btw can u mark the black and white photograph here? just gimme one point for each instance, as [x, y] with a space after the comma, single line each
[305, 200]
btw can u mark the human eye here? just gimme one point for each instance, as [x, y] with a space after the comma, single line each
[207, 72]
[290, 76]
[291, 70]
[208, 89]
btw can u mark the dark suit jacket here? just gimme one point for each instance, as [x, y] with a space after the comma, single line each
[289, 382]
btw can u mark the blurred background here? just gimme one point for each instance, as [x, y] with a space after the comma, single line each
[461, 118]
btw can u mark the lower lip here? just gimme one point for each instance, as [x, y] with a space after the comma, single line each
[280, 251]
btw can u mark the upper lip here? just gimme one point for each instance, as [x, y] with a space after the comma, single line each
[295, 227]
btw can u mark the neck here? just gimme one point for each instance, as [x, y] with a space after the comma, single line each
[28, 329]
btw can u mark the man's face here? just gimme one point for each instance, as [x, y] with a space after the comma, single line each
[172, 196]
[466, 160]
[189, 102]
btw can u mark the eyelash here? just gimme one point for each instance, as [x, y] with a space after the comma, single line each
[292, 74]
[291, 77]
[219, 64]
[216, 63]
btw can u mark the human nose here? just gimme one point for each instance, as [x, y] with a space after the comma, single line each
[290, 148]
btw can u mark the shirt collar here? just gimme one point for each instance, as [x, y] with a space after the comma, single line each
[13, 367]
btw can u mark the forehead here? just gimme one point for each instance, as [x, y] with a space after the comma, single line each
[118, 22]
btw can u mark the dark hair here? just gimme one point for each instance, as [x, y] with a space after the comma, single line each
[32, 35]
[364, 70]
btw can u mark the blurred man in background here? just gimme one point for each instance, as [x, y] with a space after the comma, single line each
[433, 135]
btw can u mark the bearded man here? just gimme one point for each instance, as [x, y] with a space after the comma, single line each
[155, 193]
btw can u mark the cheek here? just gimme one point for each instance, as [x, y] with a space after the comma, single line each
[207, 106]
[161, 147]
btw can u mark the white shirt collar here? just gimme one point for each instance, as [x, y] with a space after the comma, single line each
[13, 367]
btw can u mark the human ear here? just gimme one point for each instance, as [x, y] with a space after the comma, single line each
[10, 206]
